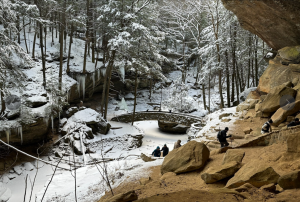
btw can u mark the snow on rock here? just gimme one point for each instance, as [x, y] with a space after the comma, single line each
[18, 169]
[245, 93]
[71, 111]
[28, 166]
[214, 123]
[5, 193]
[129, 96]
[36, 101]
[88, 116]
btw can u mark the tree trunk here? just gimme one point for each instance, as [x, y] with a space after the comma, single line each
[86, 37]
[203, 95]
[24, 31]
[43, 55]
[209, 90]
[61, 48]
[70, 46]
[227, 79]
[256, 61]
[135, 92]
[3, 107]
[110, 67]
[33, 45]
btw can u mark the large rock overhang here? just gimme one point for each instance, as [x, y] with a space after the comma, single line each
[277, 22]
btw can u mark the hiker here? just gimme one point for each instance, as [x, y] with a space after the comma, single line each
[156, 152]
[177, 144]
[294, 123]
[222, 135]
[165, 150]
[266, 128]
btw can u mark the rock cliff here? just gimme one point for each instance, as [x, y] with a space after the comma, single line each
[274, 21]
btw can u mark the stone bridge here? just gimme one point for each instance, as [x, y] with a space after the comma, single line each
[291, 136]
[184, 119]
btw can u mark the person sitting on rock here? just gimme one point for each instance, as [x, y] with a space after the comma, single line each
[177, 144]
[222, 135]
[294, 123]
[266, 128]
[165, 150]
[156, 152]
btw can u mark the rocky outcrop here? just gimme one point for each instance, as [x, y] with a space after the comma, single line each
[277, 74]
[290, 180]
[256, 174]
[282, 113]
[276, 22]
[215, 174]
[235, 155]
[272, 101]
[172, 127]
[191, 156]
[293, 143]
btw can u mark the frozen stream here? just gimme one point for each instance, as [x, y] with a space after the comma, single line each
[89, 183]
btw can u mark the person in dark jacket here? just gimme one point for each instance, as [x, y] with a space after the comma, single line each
[266, 128]
[294, 123]
[156, 152]
[165, 150]
[222, 135]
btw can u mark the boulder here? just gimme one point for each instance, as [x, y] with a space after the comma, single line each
[293, 143]
[272, 100]
[290, 180]
[36, 101]
[146, 158]
[71, 111]
[123, 197]
[235, 155]
[13, 114]
[144, 181]
[282, 113]
[269, 187]
[224, 115]
[167, 175]
[290, 53]
[257, 174]
[191, 156]
[290, 119]
[247, 130]
[5, 193]
[225, 120]
[277, 74]
[245, 187]
[172, 127]
[221, 172]
[297, 88]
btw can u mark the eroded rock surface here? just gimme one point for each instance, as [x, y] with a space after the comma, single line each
[191, 156]
[276, 22]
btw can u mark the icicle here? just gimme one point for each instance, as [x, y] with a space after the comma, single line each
[98, 74]
[52, 121]
[20, 131]
[7, 135]
[83, 86]
[82, 148]
[78, 86]
[46, 119]
[93, 78]
[103, 71]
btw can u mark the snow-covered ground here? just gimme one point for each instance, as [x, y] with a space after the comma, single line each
[90, 185]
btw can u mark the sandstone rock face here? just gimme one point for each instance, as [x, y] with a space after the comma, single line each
[272, 101]
[293, 143]
[290, 180]
[247, 130]
[277, 74]
[123, 197]
[281, 114]
[256, 174]
[172, 127]
[236, 155]
[215, 174]
[191, 156]
[261, 18]
[167, 175]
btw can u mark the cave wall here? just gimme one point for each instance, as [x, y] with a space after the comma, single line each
[277, 22]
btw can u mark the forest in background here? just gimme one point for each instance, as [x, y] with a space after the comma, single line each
[136, 37]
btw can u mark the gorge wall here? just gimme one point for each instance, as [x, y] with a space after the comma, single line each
[277, 22]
